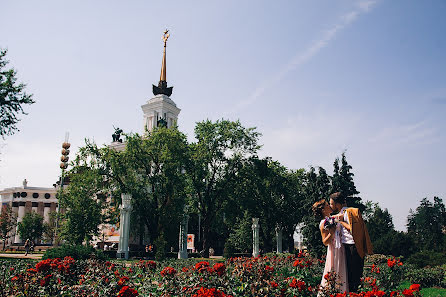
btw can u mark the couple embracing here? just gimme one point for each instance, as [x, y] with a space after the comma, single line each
[347, 239]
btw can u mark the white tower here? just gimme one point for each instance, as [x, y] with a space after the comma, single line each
[161, 110]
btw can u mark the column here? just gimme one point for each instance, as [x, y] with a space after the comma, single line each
[124, 228]
[255, 237]
[46, 212]
[20, 216]
[279, 238]
[34, 206]
[182, 242]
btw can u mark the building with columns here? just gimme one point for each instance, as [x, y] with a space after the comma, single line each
[24, 199]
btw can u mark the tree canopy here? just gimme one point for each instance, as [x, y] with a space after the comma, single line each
[12, 98]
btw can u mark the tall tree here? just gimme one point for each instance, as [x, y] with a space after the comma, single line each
[31, 226]
[316, 188]
[380, 226]
[268, 190]
[151, 169]
[426, 225]
[7, 223]
[83, 208]
[216, 159]
[12, 98]
[342, 181]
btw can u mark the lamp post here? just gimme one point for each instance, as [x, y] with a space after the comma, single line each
[63, 165]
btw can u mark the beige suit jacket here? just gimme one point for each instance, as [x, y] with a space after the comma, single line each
[359, 232]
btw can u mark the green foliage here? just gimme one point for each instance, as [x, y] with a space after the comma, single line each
[7, 223]
[241, 237]
[82, 214]
[229, 250]
[12, 98]
[150, 168]
[427, 258]
[31, 226]
[77, 252]
[214, 163]
[316, 188]
[160, 247]
[426, 225]
[342, 181]
[428, 276]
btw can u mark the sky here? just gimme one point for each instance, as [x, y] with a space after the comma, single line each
[317, 78]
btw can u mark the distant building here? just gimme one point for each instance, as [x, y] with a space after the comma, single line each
[26, 199]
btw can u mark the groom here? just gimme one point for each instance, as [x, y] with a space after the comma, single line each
[354, 238]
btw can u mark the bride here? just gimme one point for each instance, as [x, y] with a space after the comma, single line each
[331, 237]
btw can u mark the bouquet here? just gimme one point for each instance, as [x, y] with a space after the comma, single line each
[329, 222]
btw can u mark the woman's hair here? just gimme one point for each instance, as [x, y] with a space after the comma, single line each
[318, 207]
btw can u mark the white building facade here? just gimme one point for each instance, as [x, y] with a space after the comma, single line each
[23, 200]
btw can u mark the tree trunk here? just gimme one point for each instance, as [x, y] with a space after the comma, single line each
[206, 243]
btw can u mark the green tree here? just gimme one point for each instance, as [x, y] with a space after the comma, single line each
[49, 228]
[12, 98]
[268, 190]
[82, 204]
[380, 227]
[31, 226]
[7, 223]
[317, 187]
[151, 169]
[342, 181]
[426, 225]
[216, 158]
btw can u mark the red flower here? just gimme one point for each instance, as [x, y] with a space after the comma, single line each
[212, 292]
[269, 268]
[273, 284]
[122, 280]
[202, 266]
[31, 270]
[219, 268]
[297, 284]
[44, 281]
[408, 293]
[168, 271]
[298, 262]
[126, 291]
[44, 265]
[414, 287]
[391, 263]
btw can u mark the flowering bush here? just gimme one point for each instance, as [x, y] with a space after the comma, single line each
[272, 275]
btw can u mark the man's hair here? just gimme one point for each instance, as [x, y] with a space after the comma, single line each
[338, 197]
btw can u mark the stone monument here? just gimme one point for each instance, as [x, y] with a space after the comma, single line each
[124, 227]
[255, 237]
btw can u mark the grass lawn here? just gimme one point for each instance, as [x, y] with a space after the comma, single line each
[426, 292]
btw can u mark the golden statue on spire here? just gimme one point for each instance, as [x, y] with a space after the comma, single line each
[166, 36]
[162, 85]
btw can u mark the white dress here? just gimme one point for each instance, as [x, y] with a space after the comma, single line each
[335, 260]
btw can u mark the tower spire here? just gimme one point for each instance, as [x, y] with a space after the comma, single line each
[162, 85]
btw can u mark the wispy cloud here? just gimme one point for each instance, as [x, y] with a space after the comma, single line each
[409, 134]
[304, 56]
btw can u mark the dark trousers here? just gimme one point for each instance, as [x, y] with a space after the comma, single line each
[355, 267]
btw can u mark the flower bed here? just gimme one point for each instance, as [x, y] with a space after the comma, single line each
[283, 275]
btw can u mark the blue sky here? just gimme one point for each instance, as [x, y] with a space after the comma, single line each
[316, 78]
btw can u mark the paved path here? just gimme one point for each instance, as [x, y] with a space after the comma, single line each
[22, 256]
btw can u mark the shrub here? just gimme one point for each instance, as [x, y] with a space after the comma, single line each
[428, 277]
[77, 252]
[427, 258]
[229, 250]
